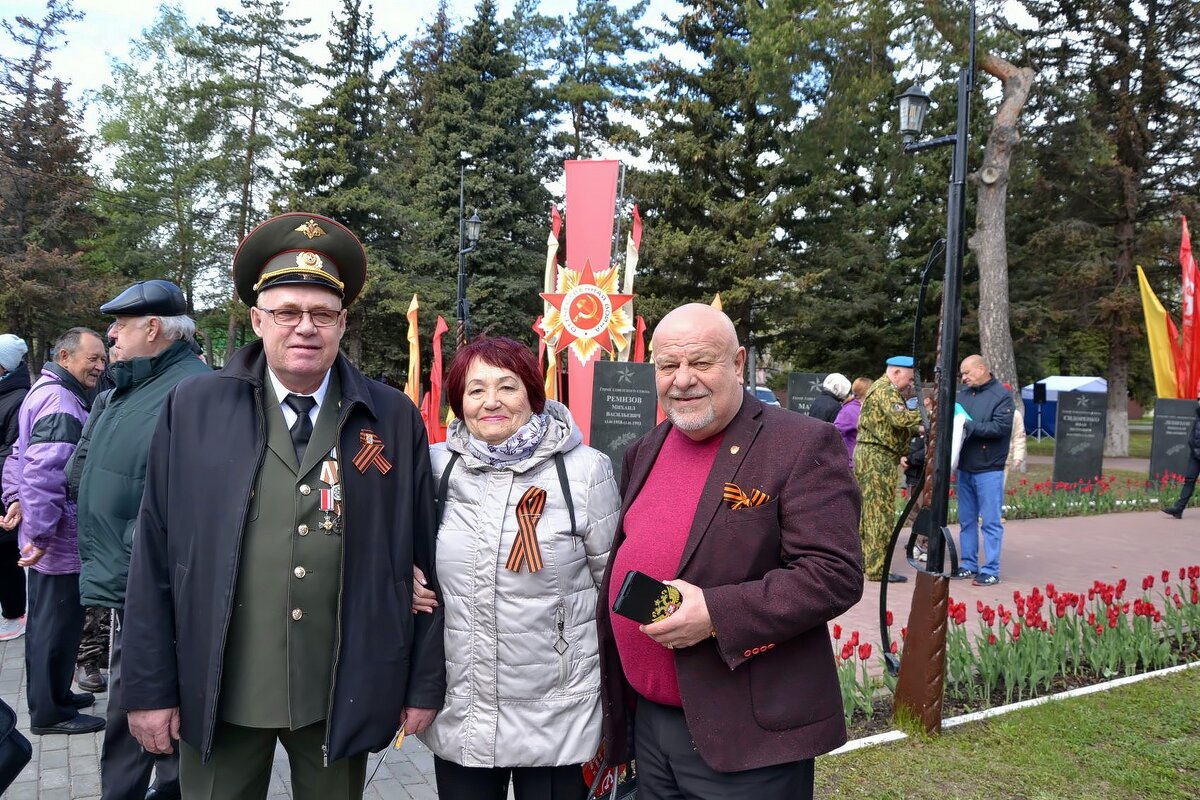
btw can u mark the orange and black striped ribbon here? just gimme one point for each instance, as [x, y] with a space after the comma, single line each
[525, 550]
[739, 499]
[371, 453]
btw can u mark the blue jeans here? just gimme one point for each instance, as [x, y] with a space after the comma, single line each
[980, 494]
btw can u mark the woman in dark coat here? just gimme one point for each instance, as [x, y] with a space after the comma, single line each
[14, 385]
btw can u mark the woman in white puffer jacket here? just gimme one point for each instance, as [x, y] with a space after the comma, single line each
[527, 521]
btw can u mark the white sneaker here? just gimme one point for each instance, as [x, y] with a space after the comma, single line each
[12, 628]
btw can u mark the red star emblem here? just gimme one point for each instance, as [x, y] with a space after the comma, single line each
[586, 310]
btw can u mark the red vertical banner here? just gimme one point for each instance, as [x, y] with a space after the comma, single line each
[431, 406]
[591, 204]
[1189, 378]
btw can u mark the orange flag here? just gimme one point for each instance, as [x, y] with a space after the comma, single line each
[433, 401]
[412, 387]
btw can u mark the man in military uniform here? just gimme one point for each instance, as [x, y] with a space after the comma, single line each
[287, 500]
[885, 427]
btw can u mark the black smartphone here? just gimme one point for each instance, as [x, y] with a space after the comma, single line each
[645, 600]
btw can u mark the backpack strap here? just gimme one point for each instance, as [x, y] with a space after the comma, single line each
[444, 488]
[560, 465]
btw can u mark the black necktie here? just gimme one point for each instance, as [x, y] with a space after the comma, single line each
[302, 428]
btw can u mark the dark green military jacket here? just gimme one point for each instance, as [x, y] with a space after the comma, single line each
[282, 634]
[885, 421]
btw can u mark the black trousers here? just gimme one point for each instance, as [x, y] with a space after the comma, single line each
[1189, 483]
[12, 581]
[52, 632]
[124, 765]
[670, 768]
[456, 782]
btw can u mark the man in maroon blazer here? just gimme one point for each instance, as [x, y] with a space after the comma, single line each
[752, 513]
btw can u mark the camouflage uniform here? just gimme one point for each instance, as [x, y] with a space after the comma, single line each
[885, 428]
[93, 647]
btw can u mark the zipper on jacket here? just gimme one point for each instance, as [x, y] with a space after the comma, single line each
[561, 645]
[237, 561]
[337, 641]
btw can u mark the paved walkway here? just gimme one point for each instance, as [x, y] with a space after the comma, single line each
[1070, 553]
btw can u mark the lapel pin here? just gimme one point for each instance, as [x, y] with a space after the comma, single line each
[734, 450]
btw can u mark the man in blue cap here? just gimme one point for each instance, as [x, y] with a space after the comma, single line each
[885, 427]
[151, 352]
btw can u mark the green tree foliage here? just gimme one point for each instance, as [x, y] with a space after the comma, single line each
[1118, 160]
[45, 188]
[162, 206]
[598, 75]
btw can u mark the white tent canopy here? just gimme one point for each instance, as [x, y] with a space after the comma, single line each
[1065, 383]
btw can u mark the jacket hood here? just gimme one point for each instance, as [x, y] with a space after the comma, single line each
[18, 380]
[128, 374]
[561, 436]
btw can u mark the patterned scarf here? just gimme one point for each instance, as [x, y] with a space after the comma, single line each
[517, 447]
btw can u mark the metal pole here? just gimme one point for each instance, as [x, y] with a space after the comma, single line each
[461, 304]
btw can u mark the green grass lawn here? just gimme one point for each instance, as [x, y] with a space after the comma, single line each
[1139, 444]
[1139, 742]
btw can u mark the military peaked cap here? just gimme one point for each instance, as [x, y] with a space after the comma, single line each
[300, 248]
[144, 298]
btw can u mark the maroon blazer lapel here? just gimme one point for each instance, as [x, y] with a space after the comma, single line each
[739, 435]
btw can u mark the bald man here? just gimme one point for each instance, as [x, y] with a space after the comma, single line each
[986, 439]
[751, 513]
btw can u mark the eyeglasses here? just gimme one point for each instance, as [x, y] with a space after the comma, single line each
[290, 317]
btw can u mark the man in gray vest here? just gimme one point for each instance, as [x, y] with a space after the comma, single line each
[151, 352]
[287, 500]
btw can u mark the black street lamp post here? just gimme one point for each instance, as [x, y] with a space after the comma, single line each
[468, 238]
[921, 683]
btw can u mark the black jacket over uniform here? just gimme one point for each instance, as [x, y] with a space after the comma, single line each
[988, 434]
[207, 449]
[13, 389]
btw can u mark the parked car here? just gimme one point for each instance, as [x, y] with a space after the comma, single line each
[764, 394]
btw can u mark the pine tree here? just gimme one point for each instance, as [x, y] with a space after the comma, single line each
[45, 189]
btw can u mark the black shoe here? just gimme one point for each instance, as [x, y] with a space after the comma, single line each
[83, 699]
[894, 578]
[962, 573]
[1173, 511]
[154, 793]
[89, 678]
[82, 723]
[985, 580]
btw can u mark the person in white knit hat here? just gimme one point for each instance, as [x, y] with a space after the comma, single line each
[14, 384]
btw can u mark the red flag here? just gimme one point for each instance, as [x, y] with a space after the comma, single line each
[639, 344]
[431, 408]
[537, 330]
[1189, 377]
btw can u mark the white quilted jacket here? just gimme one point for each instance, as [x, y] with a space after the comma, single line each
[512, 698]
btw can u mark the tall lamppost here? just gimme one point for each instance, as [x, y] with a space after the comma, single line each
[468, 237]
[922, 671]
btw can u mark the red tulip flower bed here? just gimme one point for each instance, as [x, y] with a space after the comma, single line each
[1047, 641]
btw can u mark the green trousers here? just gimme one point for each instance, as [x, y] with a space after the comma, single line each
[875, 469]
[240, 767]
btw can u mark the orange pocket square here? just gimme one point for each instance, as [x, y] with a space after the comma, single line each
[737, 498]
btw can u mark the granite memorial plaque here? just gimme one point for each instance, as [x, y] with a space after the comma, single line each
[1079, 436]
[1169, 450]
[803, 388]
[624, 406]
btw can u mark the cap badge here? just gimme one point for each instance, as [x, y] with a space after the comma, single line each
[309, 260]
[311, 229]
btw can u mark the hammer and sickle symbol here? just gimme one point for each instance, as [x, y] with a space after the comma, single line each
[587, 308]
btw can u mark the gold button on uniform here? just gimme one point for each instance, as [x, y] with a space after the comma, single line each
[302, 530]
[297, 613]
[305, 489]
[300, 572]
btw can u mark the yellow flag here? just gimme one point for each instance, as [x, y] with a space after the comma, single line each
[1159, 329]
[716, 302]
[412, 386]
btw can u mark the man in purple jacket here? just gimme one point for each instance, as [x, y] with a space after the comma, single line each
[50, 421]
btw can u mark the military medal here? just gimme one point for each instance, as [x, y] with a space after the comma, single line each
[329, 472]
[327, 524]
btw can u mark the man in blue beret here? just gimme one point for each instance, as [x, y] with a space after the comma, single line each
[885, 427]
[150, 353]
